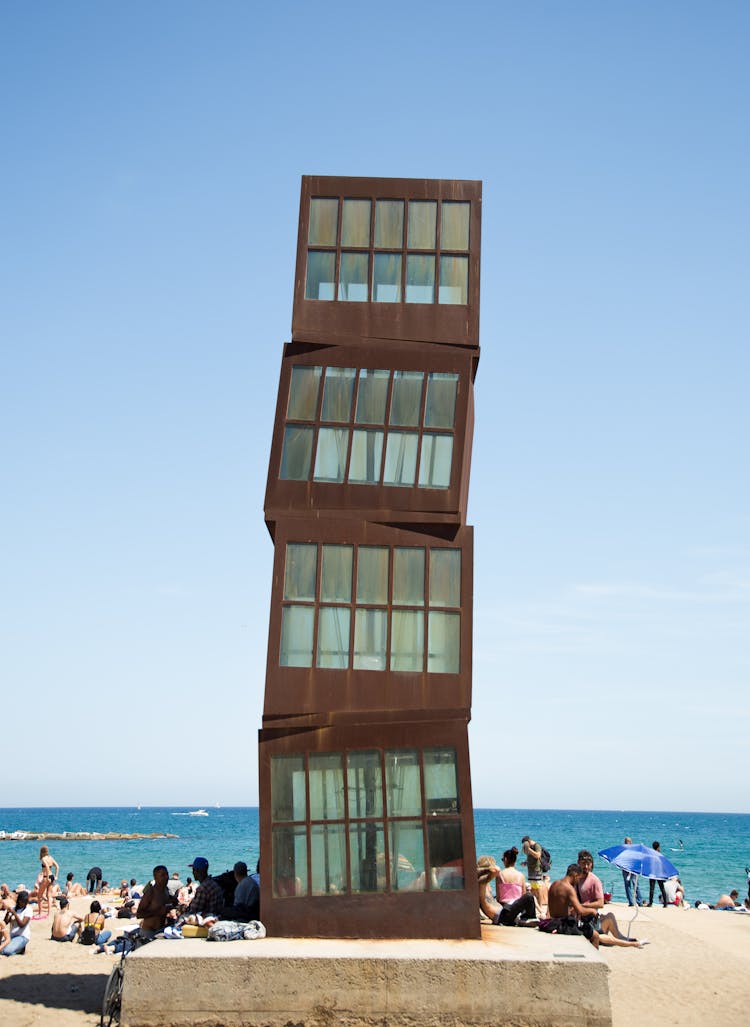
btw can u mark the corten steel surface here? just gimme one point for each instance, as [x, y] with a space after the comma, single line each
[310, 709]
[324, 321]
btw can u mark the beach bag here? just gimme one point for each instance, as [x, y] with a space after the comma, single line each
[546, 860]
[88, 935]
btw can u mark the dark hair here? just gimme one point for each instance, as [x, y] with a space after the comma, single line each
[509, 856]
[70, 876]
[22, 899]
[655, 845]
[585, 854]
[525, 839]
[63, 902]
[160, 867]
[95, 907]
[573, 870]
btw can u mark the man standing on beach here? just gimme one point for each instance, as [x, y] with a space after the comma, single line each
[209, 897]
[533, 853]
[628, 878]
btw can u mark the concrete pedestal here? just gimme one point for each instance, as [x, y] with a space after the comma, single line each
[513, 976]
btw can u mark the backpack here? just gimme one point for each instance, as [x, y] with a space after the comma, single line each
[88, 935]
[546, 860]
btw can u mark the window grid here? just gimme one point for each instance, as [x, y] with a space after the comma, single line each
[435, 252]
[420, 431]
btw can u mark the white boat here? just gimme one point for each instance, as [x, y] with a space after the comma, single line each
[197, 813]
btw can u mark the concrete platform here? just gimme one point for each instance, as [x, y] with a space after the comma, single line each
[513, 976]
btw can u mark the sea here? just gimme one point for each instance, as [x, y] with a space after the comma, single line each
[710, 850]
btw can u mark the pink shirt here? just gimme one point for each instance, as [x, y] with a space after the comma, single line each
[590, 889]
[508, 892]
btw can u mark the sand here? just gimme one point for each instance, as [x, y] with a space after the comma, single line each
[693, 971]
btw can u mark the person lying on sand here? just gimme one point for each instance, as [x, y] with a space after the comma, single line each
[727, 901]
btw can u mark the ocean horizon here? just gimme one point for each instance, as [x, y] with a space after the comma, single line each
[710, 850]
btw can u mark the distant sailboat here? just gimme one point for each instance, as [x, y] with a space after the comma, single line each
[197, 813]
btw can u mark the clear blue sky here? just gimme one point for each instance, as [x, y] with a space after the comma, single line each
[149, 191]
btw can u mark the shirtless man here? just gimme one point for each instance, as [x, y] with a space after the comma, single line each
[565, 908]
[66, 925]
[728, 901]
[156, 903]
[591, 895]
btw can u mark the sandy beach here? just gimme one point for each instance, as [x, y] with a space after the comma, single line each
[693, 971]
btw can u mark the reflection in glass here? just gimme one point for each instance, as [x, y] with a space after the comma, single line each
[420, 279]
[372, 396]
[454, 280]
[300, 571]
[289, 860]
[337, 394]
[333, 637]
[296, 453]
[445, 577]
[440, 781]
[330, 459]
[365, 784]
[407, 641]
[336, 574]
[454, 227]
[407, 855]
[407, 397]
[296, 636]
[435, 462]
[355, 224]
[366, 458]
[444, 643]
[386, 278]
[408, 576]
[372, 574]
[324, 215]
[353, 277]
[400, 458]
[370, 628]
[389, 224]
[303, 393]
[288, 788]
[446, 852]
[440, 409]
[422, 220]
[402, 788]
[328, 859]
[366, 843]
[321, 268]
[326, 786]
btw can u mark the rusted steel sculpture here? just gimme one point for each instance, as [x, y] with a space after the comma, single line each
[365, 792]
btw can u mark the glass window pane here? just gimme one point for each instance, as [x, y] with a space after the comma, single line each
[386, 278]
[372, 574]
[440, 409]
[402, 788]
[289, 858]
[454, 228]
[420, 279]
[406, 404]
[366, 458]
[333, 637]
[337, 394]
[330, 459]
[422, 220]
[326, 786]
[440, 781]
[296, 636]
[389, 224]
[446, 853]
[328, 859]
[445, 577]
[288, 788]
[370, 627]
[367, 856]
[400, 458]
[336, 574]
[454, 280]
[407, 641]
[300, 570]
[321, 271]
[324, 215]
[365, 784]
[353, 277]
[371, 396]
[435, 463]
[355, 224]
[408, 576]
[303, 393]
[444, 646]
[296, 453]
[407, 855]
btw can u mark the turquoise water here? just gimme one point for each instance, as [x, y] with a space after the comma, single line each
[711, 859]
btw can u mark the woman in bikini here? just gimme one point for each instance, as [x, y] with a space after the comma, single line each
[43, 881]
[95, 918]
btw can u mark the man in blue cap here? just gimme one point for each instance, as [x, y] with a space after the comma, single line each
[209, 897]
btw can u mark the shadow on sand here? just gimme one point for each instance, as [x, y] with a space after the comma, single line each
[80, 992]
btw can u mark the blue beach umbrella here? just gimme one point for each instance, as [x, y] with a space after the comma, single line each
[642, 861]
